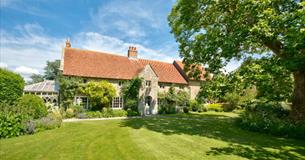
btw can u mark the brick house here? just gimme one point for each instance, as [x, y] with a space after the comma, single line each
[158, 76]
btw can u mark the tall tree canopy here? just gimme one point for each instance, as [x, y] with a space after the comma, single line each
[213, 32]
[35, 78]
[52, 70]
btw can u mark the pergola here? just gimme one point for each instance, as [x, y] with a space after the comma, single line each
[48, 90]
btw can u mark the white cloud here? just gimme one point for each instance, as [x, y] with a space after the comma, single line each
[130, 19]
[3, 65]
[28, 46]
[23, 70]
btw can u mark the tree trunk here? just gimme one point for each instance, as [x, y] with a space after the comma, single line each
[298, 102]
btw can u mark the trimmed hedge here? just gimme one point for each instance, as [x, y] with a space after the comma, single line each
[11, 86]
[215, 107]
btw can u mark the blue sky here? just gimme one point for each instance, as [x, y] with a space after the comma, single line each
[33, 32]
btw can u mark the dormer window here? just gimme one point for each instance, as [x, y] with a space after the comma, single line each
[148, 83]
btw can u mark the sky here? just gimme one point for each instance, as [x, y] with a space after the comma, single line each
[34, 31]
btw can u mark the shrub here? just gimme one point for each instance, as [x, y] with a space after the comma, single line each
[271, 118]
[33, 105]
[77, 108]
[194, 105]
[11, 86]
[215, 107]
[119, 113]
[81, 115]
[12, 124]
[100, 93]
[52, 121]
[185, 109]
[202, 108]
[70, 113]
[94, 114]
[130, 112]
[233, 100]
[30, 127]
[167, 109]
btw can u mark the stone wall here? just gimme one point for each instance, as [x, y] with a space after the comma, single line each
[194, 88]
[148, 75]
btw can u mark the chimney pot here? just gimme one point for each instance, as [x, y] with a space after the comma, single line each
[68, 43]
[132, 52]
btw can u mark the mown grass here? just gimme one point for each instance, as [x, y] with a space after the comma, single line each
[208, 135]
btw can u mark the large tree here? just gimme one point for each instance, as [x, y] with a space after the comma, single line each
[213, 32]
[35, 78]
[52, 71]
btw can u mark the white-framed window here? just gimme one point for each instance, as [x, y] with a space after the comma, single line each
[117, 103]
[120, 83]
[148, 83]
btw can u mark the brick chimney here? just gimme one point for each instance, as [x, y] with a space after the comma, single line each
[68, 43]
[132, 52]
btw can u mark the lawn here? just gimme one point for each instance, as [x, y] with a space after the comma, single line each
[200, 136]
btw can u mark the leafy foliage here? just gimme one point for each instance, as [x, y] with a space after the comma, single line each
[271, 117]
[214, 90]
[33, 106]
[171, 99]
[69, 87]
[100, 93]
[273, 82]
[11, 86]
[215, 32]
[35, 78]
[11, 124]
[52, 70]
[130, 93]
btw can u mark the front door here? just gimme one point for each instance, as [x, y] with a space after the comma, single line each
[147, 109]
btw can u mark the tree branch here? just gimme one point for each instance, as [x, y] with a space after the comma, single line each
[275, 46]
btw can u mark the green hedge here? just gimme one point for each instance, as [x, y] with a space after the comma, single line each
[215, 107]
[272, 118]
[11, 86]
[33, 106]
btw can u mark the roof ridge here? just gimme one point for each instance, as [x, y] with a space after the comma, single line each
[99, 52]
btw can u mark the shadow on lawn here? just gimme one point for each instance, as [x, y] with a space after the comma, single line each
[242, 143]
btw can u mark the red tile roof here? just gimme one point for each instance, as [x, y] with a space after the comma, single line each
[94, 64]
[186, 74]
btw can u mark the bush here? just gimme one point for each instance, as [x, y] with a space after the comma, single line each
[11, 86]
[77, 109]
[202, 108]
[81, 116]
[130, 112]
[194, 105]
[215, 107]
[70, 113]
[33, 106]
[167, 109]
[30, 127]
[11, 124]
[94, 114]
[271, 118]
[233, 100]
[99, 93]
[185, 109]
[119, 113]
[52, 121]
